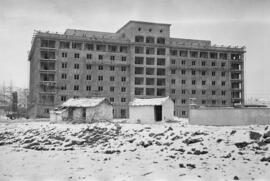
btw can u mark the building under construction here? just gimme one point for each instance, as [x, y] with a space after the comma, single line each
[140, 60]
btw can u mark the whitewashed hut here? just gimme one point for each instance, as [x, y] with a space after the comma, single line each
[151, 110]
[83, 110]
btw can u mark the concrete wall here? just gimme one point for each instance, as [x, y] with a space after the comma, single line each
[167, 110]
[229, 116]
[101, 112]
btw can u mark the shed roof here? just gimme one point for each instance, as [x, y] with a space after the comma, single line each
[85, 102]
[148, 102]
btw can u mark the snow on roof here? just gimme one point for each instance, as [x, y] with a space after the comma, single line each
[84, 102]
[148, 102]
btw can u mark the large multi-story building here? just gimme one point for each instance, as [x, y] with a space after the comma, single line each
[139, 60]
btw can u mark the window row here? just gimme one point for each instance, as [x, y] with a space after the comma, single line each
[89, 77]
[202, 102]
[204, 54]
[202, 63]
[89, 56]
[149, 39]
[150, 50]
[202, 73]
[150, 71]
[88, 66]
[150, 91]
[202, 92]
[201, 82]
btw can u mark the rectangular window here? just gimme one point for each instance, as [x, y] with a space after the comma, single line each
[111, 78]
[173, 81]
[64, 76]
[139, 60]
[223, 83]
[173, 61]
[88, 77]
[100, 67]
[193, 63]
[183, 101]
[63, 98]
[64, 45]
[124, 59]
[123, 69]
[183, 62]
[64, 65]
[123, 49]
[88, 88]
[150, 71]
[183, 72]
[139, 91]
[193, 82]
[76, 66]
[150, 51]
[139, 50]
[161, 82]
[88, 66]
[183, 91]
[139, 39]
[139, 70]
[203, 63]
[223, 93]
[150, 91]
[112, 48]
[100, 88]
[160, 40]
[112, 57]
[193, 54]
[203, 101]
[214, 101]
[213, 73]
[101, 48]
[123, 79]
[112, 68]
[88, 46]
[150, 39]
[161, 71]
[193, 91]
[193, 72]
[203, 92]
[76, 77]
[139, 80]
[89, 56]
[213, 92]
[76, 87]
[64, 54]
[111, 99]
[77, 46]
[100, 78]
[150, 81]
[161, 61]
[183, 53]
[161, 51]
[213, 82]
[123, 89]
[150, 61]
[173, 71]
[123, 99]
[47, 43]
[223, 74]
[203, 82]
[76, 55]
[160, 92]
[223, 102]
[203, 73]
[183, 81]
[173, 52]
[203, 54]
[111, 89]
[213, 64]
[100, 57]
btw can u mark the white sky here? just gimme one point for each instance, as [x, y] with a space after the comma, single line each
[224, 22]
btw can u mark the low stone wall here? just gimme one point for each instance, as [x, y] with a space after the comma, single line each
[229, 116]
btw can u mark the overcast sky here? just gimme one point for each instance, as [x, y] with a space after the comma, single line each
[224, 22]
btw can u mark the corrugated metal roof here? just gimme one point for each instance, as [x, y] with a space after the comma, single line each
[148, 102]
[84, 102]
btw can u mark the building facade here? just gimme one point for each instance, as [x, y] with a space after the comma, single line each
[140, 60]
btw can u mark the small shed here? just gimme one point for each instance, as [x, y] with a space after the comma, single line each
[83, 110]
[151, 110]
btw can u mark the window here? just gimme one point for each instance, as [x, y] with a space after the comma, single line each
[203, 92]
[183, 101]
[161, 51]
[213, 55]
[193, 63]
[111, 99]
[173, 91]
[203, 82]
[150, 81]
[123, 99]
[123, 49]
[223, 74]
[111, 78]
[193, 91]
[76, 87]
[223, 83]
[111, 89]
[111, 68]
[63, 98]
[89, 56]
[223, 56]
[223, 93]
[203, 73]
[223, 102]
[193, 82]
[100, 78]
[139, 80]
[183, 53]
[100, 88]
[47, 43]
[150, 39]
[88, 77]
[100, 57]
[183, 62]
[64, 45]
[203, 54]
[193, 72]
[172, 61]
[139, 50]
[183, 113]
[193, 54]
[76, 55]
[76, 66]
[124, 59]
[88, 88]
[64, 65]
[64, 76]
[139, 70]
[173, 71]
[77, 46]
[123, 69]
[161, 61]
[203, 63]
[213, 73]
[213, 64]
[173, 52]
[123, 89]
[161, 71]
[64, 54]
[183, 72]
[173, 81]
[123, 113]
[150, 71]
[214, 101]
[63, 87]
[88, 66]
[139, 60]
[160, 92]
[213, 92]
[112, 57]
[213, 82]
[123, 79]
[160, 40]
[150, 91]
[150, 50]
[223, 64]
[203, 101]
[112, 48]
[100, 67]
[76, 77]
[183, 91]
[88, 46]
[150, 61]
[161, 82]
[139, 39]
[101, 48]
[139, 91]
[183, 81]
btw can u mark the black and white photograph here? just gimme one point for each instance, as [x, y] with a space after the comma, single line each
[134, 90]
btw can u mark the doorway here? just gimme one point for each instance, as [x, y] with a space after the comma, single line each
[84, 113]
[158, 113]
[70, 113]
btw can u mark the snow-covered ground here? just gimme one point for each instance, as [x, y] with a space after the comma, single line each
[121, 151]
